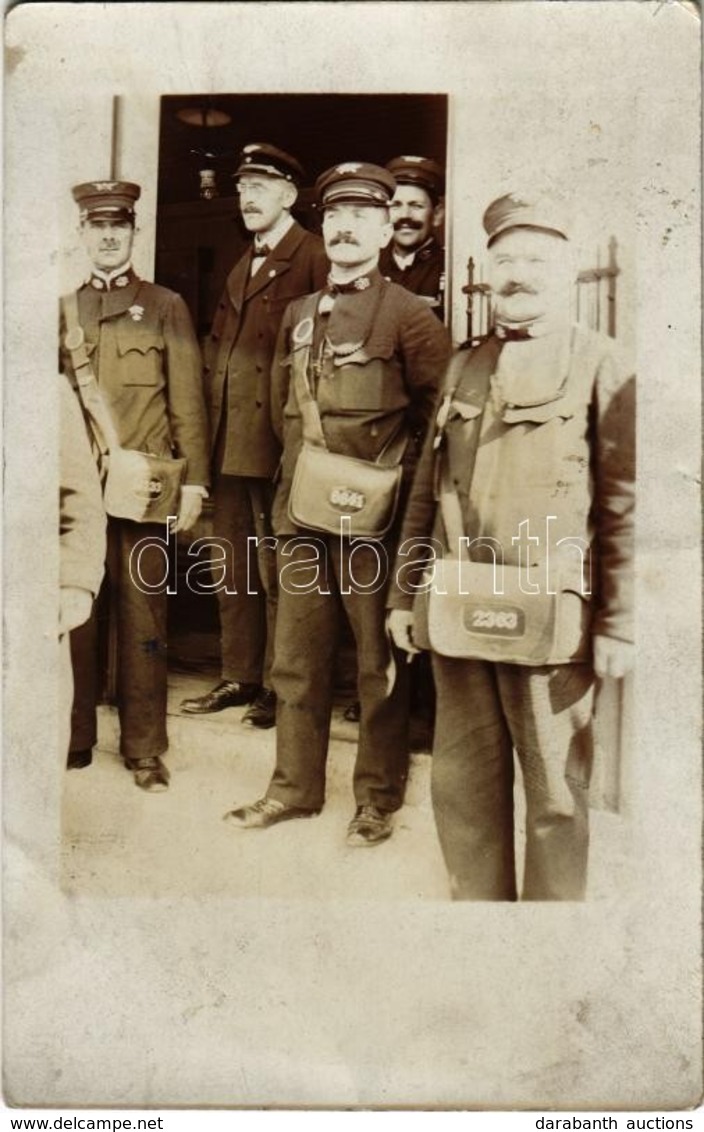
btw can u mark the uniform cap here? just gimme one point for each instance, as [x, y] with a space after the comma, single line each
[109, 199]
[272, 162]
[356, 181]
[421, 171]
[544, 211]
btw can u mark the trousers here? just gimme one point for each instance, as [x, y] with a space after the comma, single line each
[485, 711]
[247, 599]
[349, 577]
[135, 588]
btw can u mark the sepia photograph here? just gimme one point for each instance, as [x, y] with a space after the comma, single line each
[351, 732]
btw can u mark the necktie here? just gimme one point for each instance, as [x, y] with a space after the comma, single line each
[261, 250]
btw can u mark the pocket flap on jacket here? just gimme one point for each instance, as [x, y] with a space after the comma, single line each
[141, 339]
[538, 414]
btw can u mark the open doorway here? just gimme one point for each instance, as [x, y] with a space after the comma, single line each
[200, 235]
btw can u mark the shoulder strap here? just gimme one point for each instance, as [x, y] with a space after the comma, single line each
[75, 342]
[300, 361]
[483, 364]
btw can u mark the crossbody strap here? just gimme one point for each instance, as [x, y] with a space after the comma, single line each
[392, 452]
[450, 508]
[75, 342]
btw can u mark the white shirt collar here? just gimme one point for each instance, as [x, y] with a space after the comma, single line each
[108, 276]
[276, 234]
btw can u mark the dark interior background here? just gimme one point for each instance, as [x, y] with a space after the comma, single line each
[199, 240]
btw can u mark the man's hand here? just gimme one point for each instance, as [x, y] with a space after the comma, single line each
[612, 657]
[190, 509]
[399, 626]
[74, 608]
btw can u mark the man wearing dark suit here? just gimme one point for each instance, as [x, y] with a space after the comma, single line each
[146, 362]
[372, 355]
[283, 262]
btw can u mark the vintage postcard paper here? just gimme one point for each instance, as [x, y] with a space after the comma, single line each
[154, 957]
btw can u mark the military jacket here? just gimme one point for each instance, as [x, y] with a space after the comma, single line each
[145, 356]
[239, 351]
[425, 276]
[564, 462]
[387, 356]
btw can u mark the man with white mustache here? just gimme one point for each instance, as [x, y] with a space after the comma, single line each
[532, 456]
[283, 261]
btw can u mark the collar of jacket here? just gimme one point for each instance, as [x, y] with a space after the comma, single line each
[111, 280]
[117, 300]
[352, 316]
[241, 284]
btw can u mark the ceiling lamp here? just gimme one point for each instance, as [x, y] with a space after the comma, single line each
[203, 116]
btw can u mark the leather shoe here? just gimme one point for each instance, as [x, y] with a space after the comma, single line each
[228, 693]
[262, 713]
[265, 812]
[77, 760]
[353, 712]
[369, 826]
[149, 774]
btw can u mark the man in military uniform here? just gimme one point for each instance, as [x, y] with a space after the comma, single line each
[414, 258]
[372, 354]
[283, 262]
[544, 410]
[145, 358]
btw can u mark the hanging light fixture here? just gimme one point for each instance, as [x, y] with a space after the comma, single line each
[203, 116]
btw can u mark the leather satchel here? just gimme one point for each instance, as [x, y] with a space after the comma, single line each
[142, 487]
[136, 485]
[343, 495]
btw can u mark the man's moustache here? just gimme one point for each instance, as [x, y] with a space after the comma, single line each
[516, 289]
[343, 239]
[411, 225]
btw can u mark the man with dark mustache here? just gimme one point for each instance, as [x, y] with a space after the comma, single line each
[414, 258]
[284, 261]
[371, 354]
[532, 462]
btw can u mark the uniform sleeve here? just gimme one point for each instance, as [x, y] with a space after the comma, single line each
[425, 345]
[417, 526]
[81, 514]
[186, 401]
[614, 511]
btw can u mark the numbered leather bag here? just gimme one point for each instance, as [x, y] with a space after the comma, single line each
[142, 487]
[478, 611]
[342, 495]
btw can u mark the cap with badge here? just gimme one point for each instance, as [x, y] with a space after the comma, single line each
[547, 212]
[107, 200]
[261, 158]
[421, 171]
[356, 182]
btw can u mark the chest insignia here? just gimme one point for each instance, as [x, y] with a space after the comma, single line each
[137, 312]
